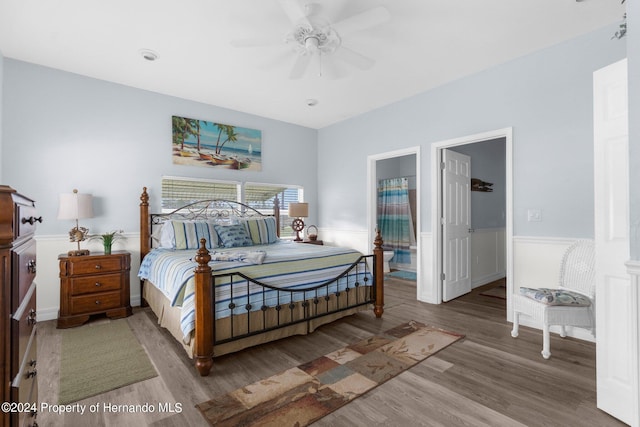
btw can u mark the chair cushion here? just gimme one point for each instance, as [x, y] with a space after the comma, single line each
[556, 297]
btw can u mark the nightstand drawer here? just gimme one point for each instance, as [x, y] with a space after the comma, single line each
[95, 303]
[97, 283]
[92, 265]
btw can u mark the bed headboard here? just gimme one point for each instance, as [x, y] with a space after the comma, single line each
[212, 209]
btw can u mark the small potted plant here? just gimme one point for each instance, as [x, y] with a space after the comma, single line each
[108, 239]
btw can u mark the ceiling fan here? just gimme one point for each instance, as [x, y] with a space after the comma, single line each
[313, 37]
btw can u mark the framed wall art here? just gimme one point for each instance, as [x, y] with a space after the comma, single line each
[215, 145]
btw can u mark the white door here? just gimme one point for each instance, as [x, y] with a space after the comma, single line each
[456, 224]
[616, 313]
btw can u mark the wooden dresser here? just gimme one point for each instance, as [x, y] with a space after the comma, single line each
[18, 308]
[93, 284]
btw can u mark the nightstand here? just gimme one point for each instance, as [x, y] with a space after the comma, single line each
[93, 284]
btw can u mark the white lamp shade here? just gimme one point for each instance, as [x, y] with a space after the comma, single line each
[75, 206]
[298, 210]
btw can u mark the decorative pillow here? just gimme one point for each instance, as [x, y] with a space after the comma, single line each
[556, 297]
[167, 237]
[187, 234]
[262, 231]
[233, 236]
[156, 236]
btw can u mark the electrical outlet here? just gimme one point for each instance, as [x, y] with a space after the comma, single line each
[534, 215]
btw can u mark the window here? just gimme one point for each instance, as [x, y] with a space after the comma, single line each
[178, 191]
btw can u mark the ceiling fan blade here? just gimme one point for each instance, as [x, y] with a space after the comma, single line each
[361, 21]
[300, 66]
[354, 58]
[295, 11]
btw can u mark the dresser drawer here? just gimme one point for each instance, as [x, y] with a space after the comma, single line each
[93, 265]
[26, 219]
[95, 302]
[23, 271]
[97, 283]
[23, 323]
[24, 386]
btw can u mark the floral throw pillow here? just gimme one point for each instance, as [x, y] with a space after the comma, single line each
[556, 297]
[233, 236]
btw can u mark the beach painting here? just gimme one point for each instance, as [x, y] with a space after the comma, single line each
[215, 145]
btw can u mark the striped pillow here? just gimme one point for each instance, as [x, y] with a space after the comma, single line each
[262, 231]
[187, 234]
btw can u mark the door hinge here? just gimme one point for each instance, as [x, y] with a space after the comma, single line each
[442, 166]
[442, 276]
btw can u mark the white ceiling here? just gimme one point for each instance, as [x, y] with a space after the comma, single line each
[426, 43]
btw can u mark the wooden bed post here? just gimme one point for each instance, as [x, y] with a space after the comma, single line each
[144, 223]
[276, 214]
[378, 272]
[203, 348]
[145, 241]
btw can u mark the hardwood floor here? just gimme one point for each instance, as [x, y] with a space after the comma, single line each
[486, 379]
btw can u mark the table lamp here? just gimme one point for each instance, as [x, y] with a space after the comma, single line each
[76, 206]
[298, 211]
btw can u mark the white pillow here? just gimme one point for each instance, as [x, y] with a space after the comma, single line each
[167, 236]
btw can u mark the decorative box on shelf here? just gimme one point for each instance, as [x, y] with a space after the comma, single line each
[93, 284]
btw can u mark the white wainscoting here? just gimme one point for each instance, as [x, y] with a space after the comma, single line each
[536, 264]
[488, 256]
[48, 273]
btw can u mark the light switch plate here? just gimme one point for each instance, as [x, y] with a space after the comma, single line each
[534, 215]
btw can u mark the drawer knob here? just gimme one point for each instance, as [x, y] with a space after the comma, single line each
[31, 266]
[98, 302]
[98, 284]
[31, 319]
[31, 220]
[98, 266]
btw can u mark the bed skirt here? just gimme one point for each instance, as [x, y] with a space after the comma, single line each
[169, 318]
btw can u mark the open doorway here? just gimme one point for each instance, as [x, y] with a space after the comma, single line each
[401, 165]
[493, 227]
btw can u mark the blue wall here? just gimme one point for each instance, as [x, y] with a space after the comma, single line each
[63, 131]
[546, 97]
[1, 98]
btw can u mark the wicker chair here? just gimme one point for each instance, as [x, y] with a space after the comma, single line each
[571, 304]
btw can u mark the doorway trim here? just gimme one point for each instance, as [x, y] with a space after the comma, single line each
[372, 199]
[436, 205]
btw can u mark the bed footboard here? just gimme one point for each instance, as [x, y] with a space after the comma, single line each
[294, 310]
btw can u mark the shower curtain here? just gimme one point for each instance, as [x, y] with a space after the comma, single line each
[394, 218]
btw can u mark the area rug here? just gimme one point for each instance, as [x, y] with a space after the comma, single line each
[401, 274]
[97, 358]
[499, 291]
[302, 395]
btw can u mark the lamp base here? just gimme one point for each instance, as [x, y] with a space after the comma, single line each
[78, 252]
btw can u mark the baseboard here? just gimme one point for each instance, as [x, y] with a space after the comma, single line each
[47, 314]
[481, 281]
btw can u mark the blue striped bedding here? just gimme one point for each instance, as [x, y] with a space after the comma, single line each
[286, 265]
